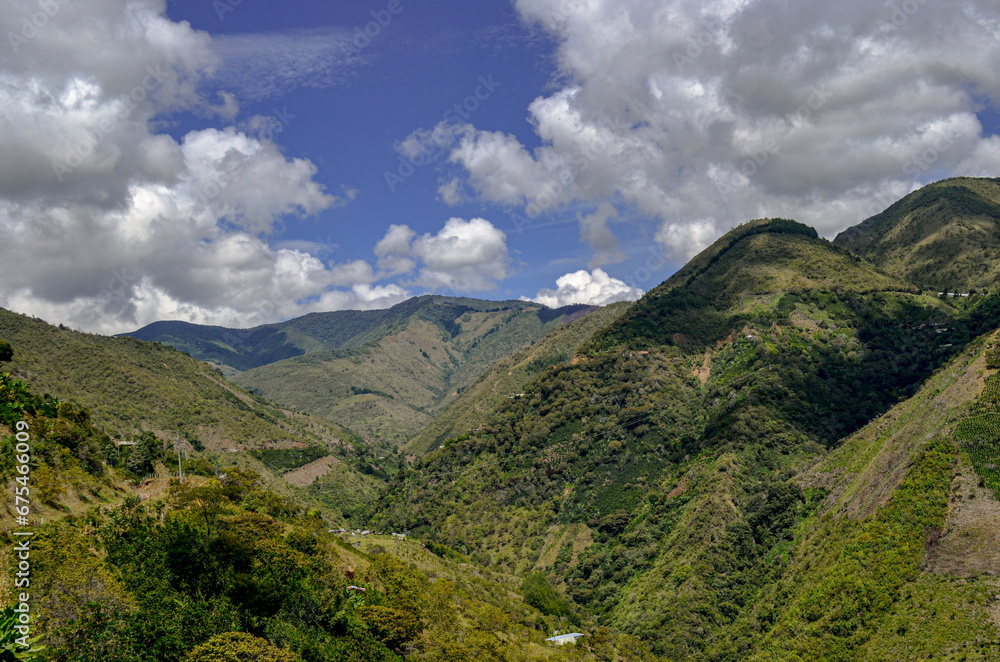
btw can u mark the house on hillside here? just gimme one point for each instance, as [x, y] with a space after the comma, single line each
[563, 639]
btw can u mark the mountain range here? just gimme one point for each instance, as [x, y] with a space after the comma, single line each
[786, 451]
[386, 373]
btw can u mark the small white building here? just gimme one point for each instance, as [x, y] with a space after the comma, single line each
[563, 639]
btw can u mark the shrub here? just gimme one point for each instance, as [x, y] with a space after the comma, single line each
[538, 593]
[238, 647]
[993, 357]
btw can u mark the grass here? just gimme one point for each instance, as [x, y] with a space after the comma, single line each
[129, 386]
[391, 387]
[944, 237]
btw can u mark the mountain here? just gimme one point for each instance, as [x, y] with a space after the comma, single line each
[128, 387]
[230, 558]
[898, 561]
[391, 386]
[944, 237]
[508, 378]
[657, 480]
[243, 349]
[786, 451]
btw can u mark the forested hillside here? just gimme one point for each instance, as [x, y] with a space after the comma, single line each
[383, 374]
[220, 566]
[129, 390]
[944, 237]
[786, 451]
[664, 462]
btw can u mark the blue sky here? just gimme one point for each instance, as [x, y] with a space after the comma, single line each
[226, 162]
[413, 69]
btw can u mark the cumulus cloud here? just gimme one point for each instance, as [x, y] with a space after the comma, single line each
[595, 288]
[708, 114]
[107, 224]
[685, 240]
[595, 231]
[463, 256]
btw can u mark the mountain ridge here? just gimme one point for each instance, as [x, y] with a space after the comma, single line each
[681, 476]
[942, 237]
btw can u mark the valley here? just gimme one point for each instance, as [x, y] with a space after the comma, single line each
[785, 451]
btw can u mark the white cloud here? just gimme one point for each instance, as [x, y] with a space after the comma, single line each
[393, 250]
[595, 231]
[106, 224]
[685, 240]
[595, 288]
[265, 65]
[738, 109]
[464, 256]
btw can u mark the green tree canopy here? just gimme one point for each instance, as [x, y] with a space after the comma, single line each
[238, 647]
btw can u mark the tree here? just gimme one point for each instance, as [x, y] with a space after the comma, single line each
[538, 592]
[6, 351]
[993, 357]
[238, 647]
[238, 483]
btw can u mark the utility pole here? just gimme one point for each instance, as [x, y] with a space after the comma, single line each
[180, 467]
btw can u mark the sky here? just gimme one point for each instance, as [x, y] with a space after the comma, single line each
[239, 162]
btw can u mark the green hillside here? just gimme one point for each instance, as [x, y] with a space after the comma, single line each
[392, 386]
[896, 564]
[243, 349]
[207, 572]
[508, 378]
[787, 451]
[653, 479]
[944, 237]
[128, 387]
[223, 568]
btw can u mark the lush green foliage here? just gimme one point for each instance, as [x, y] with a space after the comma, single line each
[538, 593]
[280, 459]
[238, 647]
[833, 615]
[508, 377]
[123, 389]
[10, 649]
[681, 488]
[979, 434]
[944, 237]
